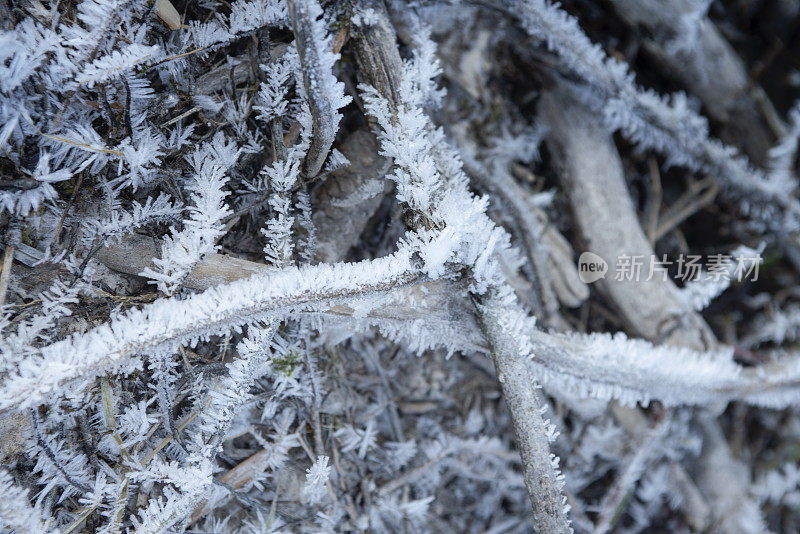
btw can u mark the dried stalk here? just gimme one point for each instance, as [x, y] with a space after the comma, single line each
[344, 203]
[591, 174]
[379, 64]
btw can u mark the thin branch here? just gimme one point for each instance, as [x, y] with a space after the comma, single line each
[539, 466]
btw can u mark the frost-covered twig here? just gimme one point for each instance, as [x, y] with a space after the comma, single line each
[171, 322]
[324, 93]
[432, 188]
[182, 250]
[553, 273]
[533, 433]
[631, 371]
[654, 122]
[692, 48]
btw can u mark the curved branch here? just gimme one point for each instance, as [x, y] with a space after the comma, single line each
[324, 93]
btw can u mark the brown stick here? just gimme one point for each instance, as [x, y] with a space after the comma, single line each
[5, 275]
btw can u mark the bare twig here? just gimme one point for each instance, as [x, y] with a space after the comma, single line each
[5, 274]
[654, 200]
[592, 176]
[685, 207]
[379, 63]
[126, 113]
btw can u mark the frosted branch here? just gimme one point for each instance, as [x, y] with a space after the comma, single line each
[172, 322]
[324, 93]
